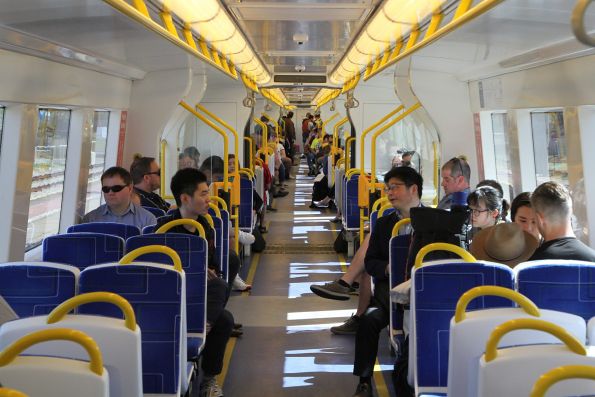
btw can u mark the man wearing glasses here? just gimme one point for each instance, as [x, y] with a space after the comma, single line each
[456, 174]
[146, 177]
[116, 184]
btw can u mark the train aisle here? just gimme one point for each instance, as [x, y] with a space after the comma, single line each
[287, 348]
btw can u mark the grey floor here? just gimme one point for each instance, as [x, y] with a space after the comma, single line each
[287, 348]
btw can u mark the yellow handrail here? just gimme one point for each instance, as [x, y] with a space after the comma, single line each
[362, 137]
[277, 128]
[491, 290]
[265, 132]
[348, 153]
[246, 171]
[183, 221]
[250, 152]
[209, 219]
[324, 123]
[378, 203]
[466, 256]
[219, 201]
[65, 307]
[556, 375]
[163, 170]
[153, 249]
[571, 342]
[436, 171]
[383, 209]
[215, 209]
[336, 133]
[352, 172]
[399, 225]
[378, 133]
[73, 335]
[6, 392]
[339, 162]
[230, 129]
[220, 132]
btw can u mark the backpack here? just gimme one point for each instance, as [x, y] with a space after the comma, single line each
[432, 225]
[340, 244]
[259, 243]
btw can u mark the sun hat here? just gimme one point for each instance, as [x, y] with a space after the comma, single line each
[504, 243]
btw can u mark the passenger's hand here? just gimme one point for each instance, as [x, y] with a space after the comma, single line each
[211, 274]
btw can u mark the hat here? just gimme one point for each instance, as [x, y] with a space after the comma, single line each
[504, 243]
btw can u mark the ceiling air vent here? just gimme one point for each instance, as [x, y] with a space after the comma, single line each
[300, 78]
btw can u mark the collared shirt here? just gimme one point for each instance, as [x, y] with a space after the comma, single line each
[134, 216]
[150, 199]
[446, 201]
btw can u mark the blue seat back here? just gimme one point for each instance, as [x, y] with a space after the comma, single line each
[399, 250]
[224, 239]
[83, 249]
[155, 211]
[437, 287]
[193, 254]
[149, 229]
[36, 288]
[374, 216]
[352, 215]
[246, 196]
[566, 286]
[156, 297]
[116, 229]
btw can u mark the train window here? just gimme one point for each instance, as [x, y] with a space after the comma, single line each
[1, 122]
[549, 145]
[97, 163]
[48, 175]
[502, 152]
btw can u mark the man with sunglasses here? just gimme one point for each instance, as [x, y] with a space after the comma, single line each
[146, 177]
[456, 174]
[116, 184]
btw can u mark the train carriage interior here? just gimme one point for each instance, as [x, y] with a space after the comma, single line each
[297, 198]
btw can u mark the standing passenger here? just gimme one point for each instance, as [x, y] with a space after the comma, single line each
[456, 174]
[553, 209]
[146, 176]
[116, 184]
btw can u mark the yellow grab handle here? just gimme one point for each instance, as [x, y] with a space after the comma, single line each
[384, 208]
[352, 172]
[215, 209]
[399, 225]
[528, 323]
[258, 162]
[247, 171]
[6, 392]
[466, 256]
[219, 201]
[556, 375]
[184, 221]
[73, 335]
[209, 219]
[59, 312]
[379, 203]
[153, 249]
[492, 290]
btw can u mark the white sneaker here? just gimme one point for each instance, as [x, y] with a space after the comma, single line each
[246, 238]
[210, 388]
[240, 285]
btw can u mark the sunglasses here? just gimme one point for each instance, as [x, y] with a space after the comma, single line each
[115, 188]
[158, 173]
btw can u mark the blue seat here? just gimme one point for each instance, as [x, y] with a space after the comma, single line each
[374, 216]
[193, 254]
[36, 288]
[148, 229]
[155, 211]
[219, 247]
[562, 285]
[399, 251]
[156, 293]
[436, 289]
[225, 238]
[246, 218]
[83, 249]
[352, 215]
[116, 229]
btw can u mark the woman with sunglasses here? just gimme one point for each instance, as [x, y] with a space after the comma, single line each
[487, 208]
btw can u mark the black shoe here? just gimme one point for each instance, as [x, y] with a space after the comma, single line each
[313, 206]
[363, 390]
[237, 326]
[262, 229]
[236, 333]
[281, 193]
[335, 220]
[269, 208]
[349, 327]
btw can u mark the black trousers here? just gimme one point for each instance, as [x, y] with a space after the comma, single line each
[214, 350]
[366, 340]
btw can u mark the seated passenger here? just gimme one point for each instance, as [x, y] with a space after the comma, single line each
[189, 158]
[553, 209]
[498, 187]
[191, 191]
[116, 184]
[505, 243]
[404, 190]
[456, 174]
[522, 213]
[486, 206]
[146, 177]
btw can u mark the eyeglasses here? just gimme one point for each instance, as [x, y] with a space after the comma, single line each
[393, 186]
[115, 188]
[158, 173]
[477, 212]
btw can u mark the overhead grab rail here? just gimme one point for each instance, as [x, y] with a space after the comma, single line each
[379, 132]
[220, 132]
[578, 23]
[407, 46]
[139, 12]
